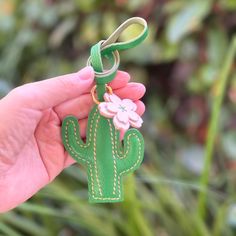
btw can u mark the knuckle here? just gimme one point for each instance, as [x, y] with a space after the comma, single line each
[17, 92]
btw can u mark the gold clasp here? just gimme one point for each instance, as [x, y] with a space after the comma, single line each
[108, 88]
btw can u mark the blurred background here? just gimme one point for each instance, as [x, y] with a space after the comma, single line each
[181, 64]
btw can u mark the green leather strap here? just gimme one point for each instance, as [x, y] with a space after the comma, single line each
[110, 44]
[110, 49]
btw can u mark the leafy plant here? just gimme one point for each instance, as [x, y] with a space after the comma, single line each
[179, 190]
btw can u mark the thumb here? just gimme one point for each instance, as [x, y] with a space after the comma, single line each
[51, 92]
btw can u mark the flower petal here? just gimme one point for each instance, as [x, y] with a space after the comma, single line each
[112, 98]
[129, 104]
[122, 116]
[112, 107]
[106, 97]
[102, 107]
[133, 116]
[120, 125]
[136, 124]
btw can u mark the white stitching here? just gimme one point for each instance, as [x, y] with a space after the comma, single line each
[119, 154]
[74, 153]
[114, 158]
[89, 164]
[95, 154]
[85, 146]
[90, 131]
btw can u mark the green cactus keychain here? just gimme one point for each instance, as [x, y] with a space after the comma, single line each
[104, 155]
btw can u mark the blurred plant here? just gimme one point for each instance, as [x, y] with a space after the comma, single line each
[180, 66]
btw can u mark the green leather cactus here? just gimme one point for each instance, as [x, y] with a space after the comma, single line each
[106, 158]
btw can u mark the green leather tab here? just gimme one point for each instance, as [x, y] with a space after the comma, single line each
[96, 60]
[110, 44]
[106, 48]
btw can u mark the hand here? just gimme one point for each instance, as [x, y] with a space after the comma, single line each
[31, 150]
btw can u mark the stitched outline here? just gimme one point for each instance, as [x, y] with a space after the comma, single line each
[89, 164]
[71, 150]
[139, 154]
[125, 171]
[85, 146]
[120, 155]
[114, 158]
[90, 131]
[95, 155]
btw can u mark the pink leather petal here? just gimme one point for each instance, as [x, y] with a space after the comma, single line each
[112, 98]
[122, 112]
[129, 104]
[133, 116]
[122, 117]
[120, 125]
[136, 124]
[102, 107]
[106, 97]
[112, 107]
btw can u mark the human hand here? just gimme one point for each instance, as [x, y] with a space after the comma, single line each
[31, 150]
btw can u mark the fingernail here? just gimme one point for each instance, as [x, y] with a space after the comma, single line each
[124, 75]
[142, 88]
[86, 73]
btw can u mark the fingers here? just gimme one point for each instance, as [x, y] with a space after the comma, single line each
[81, 106]
[69, 161]
[120, 81]
[140, 107]
[83, 126]
[78, 107]
[83, 122]
[133, 91]
[51, 92]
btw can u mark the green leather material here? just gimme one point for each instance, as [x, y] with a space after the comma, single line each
[105, 48]
[96, 60]
[110, 44]
[107, 160]
[105, 157]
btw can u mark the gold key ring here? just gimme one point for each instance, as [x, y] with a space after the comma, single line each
[108, 88]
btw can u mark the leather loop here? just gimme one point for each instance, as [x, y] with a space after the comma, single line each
[103, 76]
[110, 45]
[96, 58]
[110, 49]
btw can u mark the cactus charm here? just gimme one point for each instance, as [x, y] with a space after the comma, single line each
[104, 156]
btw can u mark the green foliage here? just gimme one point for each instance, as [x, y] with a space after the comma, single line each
[182, 64]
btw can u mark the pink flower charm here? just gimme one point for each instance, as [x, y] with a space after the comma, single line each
[122, 112]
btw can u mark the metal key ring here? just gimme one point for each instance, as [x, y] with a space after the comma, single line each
[109, 90]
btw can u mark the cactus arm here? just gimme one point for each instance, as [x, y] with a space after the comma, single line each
[72, 140]
[132, 153]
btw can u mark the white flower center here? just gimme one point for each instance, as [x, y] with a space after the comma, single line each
[122, 108]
